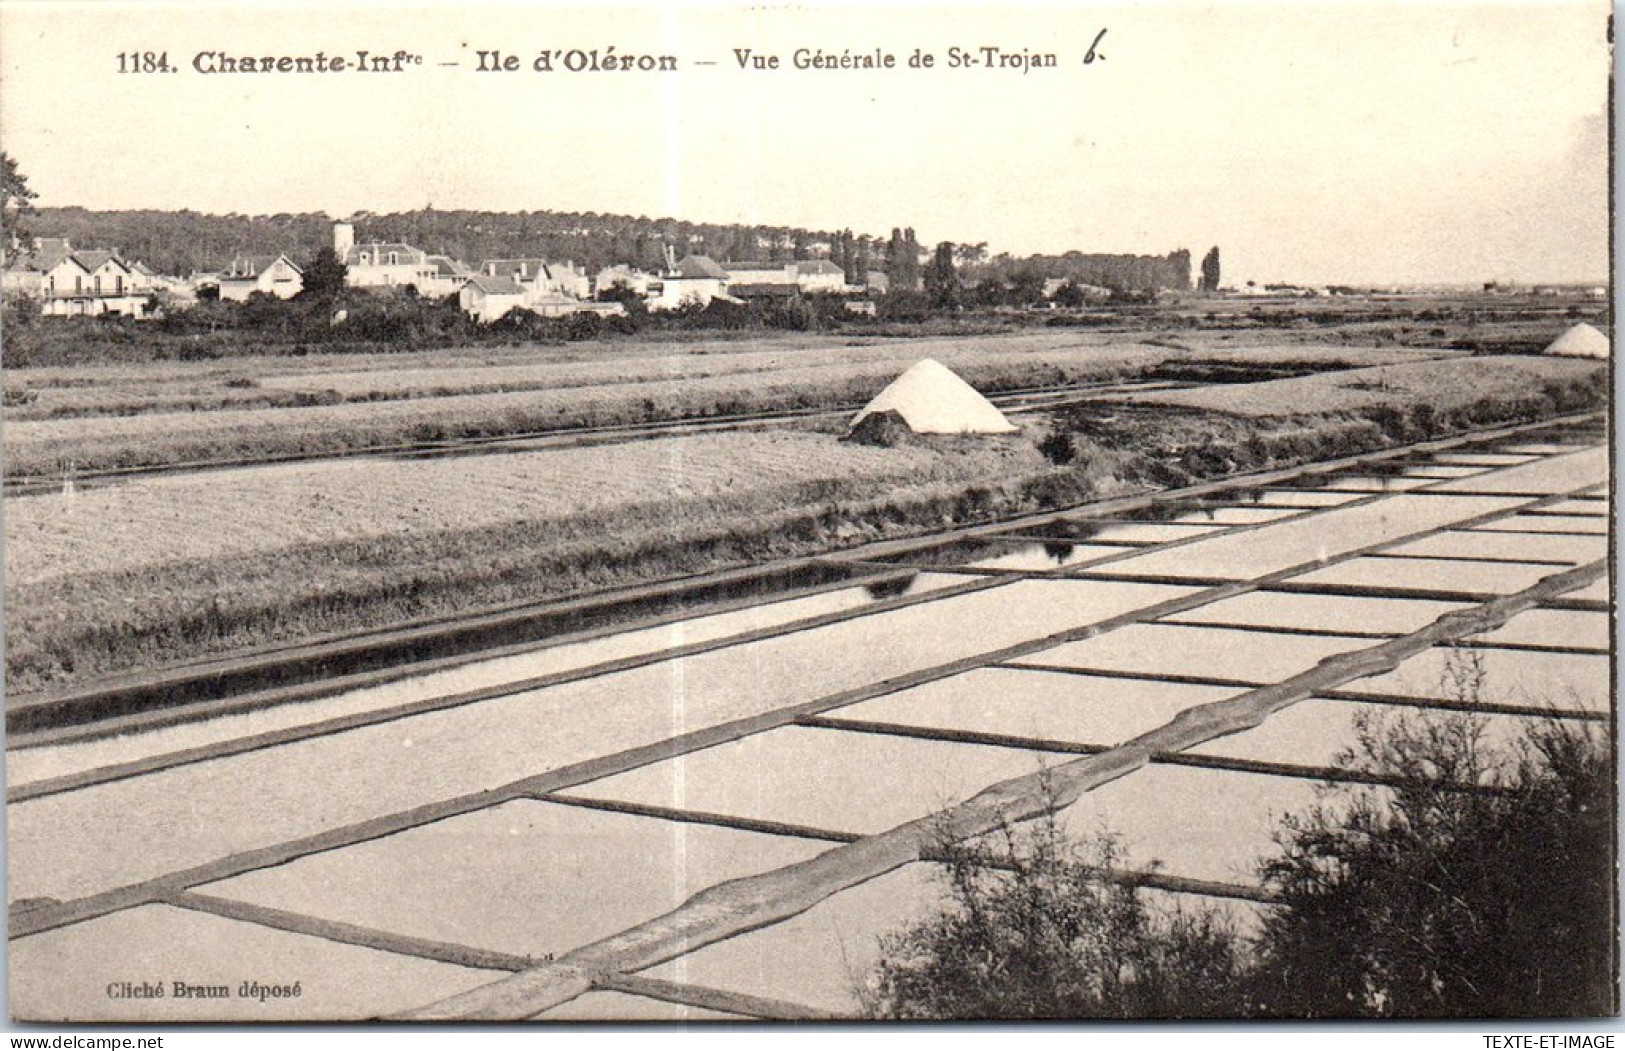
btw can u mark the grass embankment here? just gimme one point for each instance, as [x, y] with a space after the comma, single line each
[318, 549]
[1444, 386]
[128, 416]
[158, 571]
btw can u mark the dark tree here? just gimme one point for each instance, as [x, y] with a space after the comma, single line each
[1449, 877]
[1068, 295]
[903, 261]
[1026, 288]
[16, 199]
[1210, 270]
[941, 279]
[1176, 273]
[324, 274]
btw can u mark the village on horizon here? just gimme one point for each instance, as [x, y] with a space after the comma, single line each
[70, 280]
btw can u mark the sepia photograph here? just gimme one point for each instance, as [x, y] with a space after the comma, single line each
[562, 512]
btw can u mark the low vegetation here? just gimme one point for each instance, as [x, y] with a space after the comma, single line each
[1446, 387]
[1425, 901]
[1034, 932]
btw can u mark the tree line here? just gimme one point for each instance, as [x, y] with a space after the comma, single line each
[186, 242]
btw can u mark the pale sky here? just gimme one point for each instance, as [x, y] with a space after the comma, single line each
[1347, 142]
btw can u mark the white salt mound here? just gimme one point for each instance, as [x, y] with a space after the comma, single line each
[1581, 341]
[931, 399]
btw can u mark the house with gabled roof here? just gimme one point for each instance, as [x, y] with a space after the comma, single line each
[45, 266]
[485, 298]
[571, 280]
[819, 275]
[450, 275]
[382, 264]
[275, 275]
[760, 273]
[77, 283]
[694, 281]
[622, 274]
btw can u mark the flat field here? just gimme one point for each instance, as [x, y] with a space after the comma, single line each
[152, 522]
[1443, 384]
[167, 413]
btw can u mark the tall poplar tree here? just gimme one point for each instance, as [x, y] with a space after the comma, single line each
[1210, 270]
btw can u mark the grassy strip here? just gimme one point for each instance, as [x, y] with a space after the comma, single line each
[1439, 386]
[70, 629]
[317, 422]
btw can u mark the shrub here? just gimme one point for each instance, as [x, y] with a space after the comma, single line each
[1057, 448]
[1034, 932]
[1421, 903]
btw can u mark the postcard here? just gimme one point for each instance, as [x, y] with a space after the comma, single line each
[807, 512]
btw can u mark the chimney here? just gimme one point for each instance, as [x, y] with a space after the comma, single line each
[343, 238]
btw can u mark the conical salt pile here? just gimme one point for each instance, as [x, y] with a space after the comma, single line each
[1581, 341]
[931, 399]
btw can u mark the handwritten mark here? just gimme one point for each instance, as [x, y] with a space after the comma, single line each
[1094, 51]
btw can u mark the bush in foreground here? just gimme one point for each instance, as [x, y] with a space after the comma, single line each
[1035, 932]
[1423, 898]
[1425, 901]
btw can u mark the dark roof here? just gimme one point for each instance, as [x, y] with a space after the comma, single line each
[818, 266]
[754, 265]
[445, 266]
[246, 267]
[506, 267]
[496, 286]
[92, 258]
[380, 248]
[699, 266]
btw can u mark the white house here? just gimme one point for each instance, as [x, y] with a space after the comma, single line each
[620, 274]
[83, 283]
[544, 282]
[554, 305]
[28, 271]
[485, 298]
[809, 275]
[819, 275]
[695, 281]
[759, 273]
[571, 280]
[383, 264]
[275, 275]
[450, 275]
[523, 271]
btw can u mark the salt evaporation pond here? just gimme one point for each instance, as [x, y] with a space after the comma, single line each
[529, 878]
[27, 765]
[1037, 704]
[188, 814]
